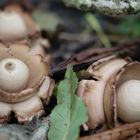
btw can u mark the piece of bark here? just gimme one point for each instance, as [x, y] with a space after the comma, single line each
[111, 7]
[121, 133]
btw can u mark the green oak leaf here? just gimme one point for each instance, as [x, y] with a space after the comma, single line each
[70, 111]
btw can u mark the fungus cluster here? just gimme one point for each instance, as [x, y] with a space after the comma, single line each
[113, 95]
[25, 82]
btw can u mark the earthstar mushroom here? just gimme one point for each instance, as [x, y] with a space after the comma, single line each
[107, 95]
[16, 24]
[118, 95]
[25, 82]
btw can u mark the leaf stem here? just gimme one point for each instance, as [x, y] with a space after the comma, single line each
[92, 20]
